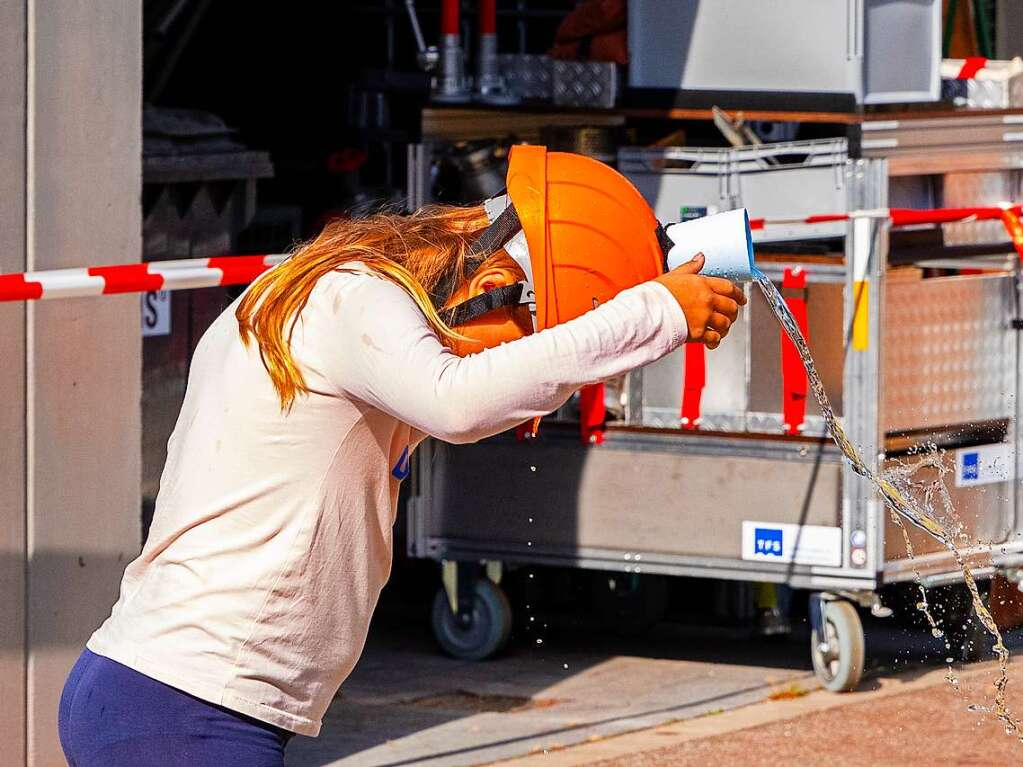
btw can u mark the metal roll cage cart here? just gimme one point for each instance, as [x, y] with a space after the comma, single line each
[910, 361]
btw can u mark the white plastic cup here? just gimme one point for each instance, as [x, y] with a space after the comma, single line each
[724, 239]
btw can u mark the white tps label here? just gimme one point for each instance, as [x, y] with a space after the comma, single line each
[984, 464]
[156, 313]
[780, 542]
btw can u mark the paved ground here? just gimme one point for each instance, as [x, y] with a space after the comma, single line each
[408, 705]
[585, 695]
[910, 720]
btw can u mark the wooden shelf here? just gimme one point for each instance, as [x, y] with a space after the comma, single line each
[477, 121]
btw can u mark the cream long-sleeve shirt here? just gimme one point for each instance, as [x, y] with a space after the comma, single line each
[272, 533]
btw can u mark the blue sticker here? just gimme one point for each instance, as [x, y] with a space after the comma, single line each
[767, 540]
[403, 466]
[971, 466]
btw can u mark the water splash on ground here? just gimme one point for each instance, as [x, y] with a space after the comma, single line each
[902, 494]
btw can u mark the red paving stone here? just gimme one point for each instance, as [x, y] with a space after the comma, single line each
[925, 728]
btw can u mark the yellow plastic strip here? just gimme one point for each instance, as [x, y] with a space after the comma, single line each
[861, 319]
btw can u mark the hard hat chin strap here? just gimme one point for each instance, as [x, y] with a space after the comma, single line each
[484, 303]
[505, 227]
[500, 231]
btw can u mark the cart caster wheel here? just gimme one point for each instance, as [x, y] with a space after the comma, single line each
[484, 632]
[840, 668]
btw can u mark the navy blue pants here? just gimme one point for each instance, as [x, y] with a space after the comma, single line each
[113, 716]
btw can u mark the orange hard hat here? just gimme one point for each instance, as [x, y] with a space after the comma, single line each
[580, 230]
[589, 232]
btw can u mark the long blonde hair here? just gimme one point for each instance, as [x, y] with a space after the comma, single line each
[427, 253]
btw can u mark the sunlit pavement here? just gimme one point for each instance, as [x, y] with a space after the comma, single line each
[913, 719]
[408, 705]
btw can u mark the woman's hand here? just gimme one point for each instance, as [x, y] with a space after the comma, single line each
[711, 304]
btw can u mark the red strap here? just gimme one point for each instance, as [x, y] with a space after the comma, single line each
[906, 216]
[793, 374]
[239, 270]
[971, 66]
[592, 413]
[692, 386]
[825, 218]
[127, 278]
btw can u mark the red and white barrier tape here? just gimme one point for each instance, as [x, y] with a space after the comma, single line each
[898, 216]
[239, 270]
[134, 278]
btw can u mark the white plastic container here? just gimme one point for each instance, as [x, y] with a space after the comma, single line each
[724, 239]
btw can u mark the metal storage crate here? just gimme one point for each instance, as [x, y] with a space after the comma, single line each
[742, 391]
[791, 180]
[880, 51]
[592, 84]
[936, 361]
[978, 188]
[528, 76]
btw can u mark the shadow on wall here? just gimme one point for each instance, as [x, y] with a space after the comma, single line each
[55, 576]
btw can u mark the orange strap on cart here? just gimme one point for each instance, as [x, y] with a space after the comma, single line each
[1010, 218]
[692, 386]
[793, 374]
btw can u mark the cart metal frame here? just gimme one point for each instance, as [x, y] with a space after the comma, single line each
[434, 508]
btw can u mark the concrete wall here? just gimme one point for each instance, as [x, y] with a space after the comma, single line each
[70, 188]
[12, 384]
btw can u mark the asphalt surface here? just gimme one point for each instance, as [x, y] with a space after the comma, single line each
[408, 704]
[924, 727]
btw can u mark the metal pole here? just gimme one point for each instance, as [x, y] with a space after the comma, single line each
[451, 86]
[490, 87]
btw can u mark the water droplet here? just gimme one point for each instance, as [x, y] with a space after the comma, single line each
[937, 633]
[529, 543]
[949, 660]
[530, 576]
[564, 665]
[532, 468]
[530, 520]
[539, 641]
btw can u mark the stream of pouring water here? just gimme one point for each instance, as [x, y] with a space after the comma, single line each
[903, 506]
